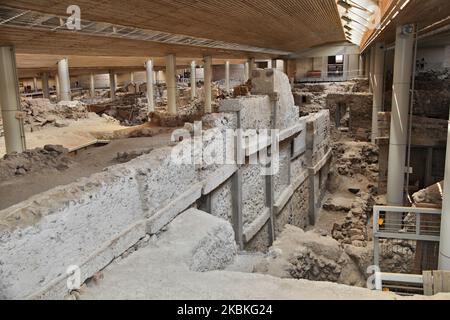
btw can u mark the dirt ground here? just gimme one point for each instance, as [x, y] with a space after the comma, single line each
[85, 164]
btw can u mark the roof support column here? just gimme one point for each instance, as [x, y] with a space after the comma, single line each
[404, 47]
[378, 88]
[10, 102]
[372, 68]
[274, 63]
[444, 251]
[227, 77]
[45, 86]
[361, 65]
[112, 84]
[35, 86]
[246, 71]
[150, 86]
[64, 80]
[58, 88]
[251, 67]
[92, 85]
[171, 68]
[208, 87]
[193, 80]
[132, 77]
[367, 64]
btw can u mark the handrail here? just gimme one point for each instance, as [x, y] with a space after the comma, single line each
[406, 223]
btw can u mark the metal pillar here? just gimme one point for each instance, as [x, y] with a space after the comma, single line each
[92, 85]
[208, 80]
[10, 102]
[378, 87]
[444, 251]
[45, 86]
[171, 67]
[372, 68]
[193, 80]
[64, 80]
[404, 48]
[227, 76]
[150, 87]
[112, 85]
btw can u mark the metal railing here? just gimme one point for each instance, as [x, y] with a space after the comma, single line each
[404, 223]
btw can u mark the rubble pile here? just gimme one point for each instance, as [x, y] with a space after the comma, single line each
[397, 256]
[188, 113]
[310, 255]
[124, 157]
[50, 157]
[41, 113]
[361, 85]
[243, 90]
[128, 109]
[353, 158]
[312, 97]
[354, 230]
[430, 196]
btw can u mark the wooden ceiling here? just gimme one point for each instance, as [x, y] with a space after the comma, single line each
[288, 25]
[424, 13]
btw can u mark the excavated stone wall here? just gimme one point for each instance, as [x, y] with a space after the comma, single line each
[94, 220]
[360, 107]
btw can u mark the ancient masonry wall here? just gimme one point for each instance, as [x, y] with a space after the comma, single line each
[360, 107]
[91, 222]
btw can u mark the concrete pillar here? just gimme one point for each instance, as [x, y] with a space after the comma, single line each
[274, 63]
[112, 84]
[208, 81]
[35, 86]
[246, 71]
[371, 69]
[132, 77]
[324, 68]
[92, 85]
[285, 66]
[45, 86]
[347, 74]
[150, 87]
[227, 76]
[193, 80]
[404, 47]
[251, 67]
[10, 102]
[58, 88]
[444, 250]
[367, 64]
[378, 86]
[171, 68]
[361, 66]
[64, 80]
[116, 82]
